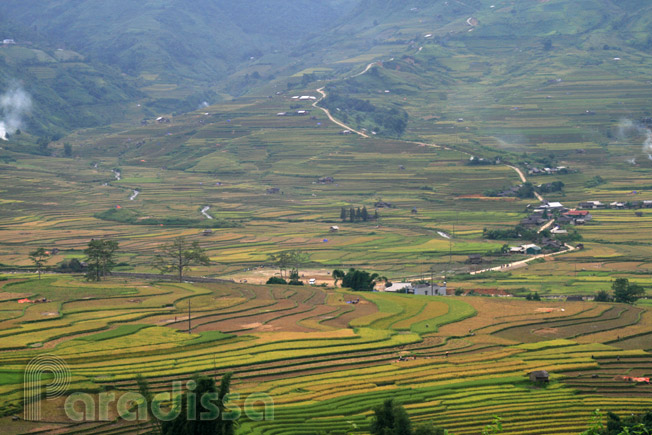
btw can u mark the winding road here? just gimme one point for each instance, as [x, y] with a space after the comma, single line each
[521, 263]
[204, 211]
[328, 113]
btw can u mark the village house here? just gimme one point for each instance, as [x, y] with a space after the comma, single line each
[531, 249]
[552, 244]
[591, 205]
[430, 290]
[554, 206]
[273, 190]
[474, 259]
[400, 287]
[577, 217]
[539, 376]
[334, 229]
[382, 204]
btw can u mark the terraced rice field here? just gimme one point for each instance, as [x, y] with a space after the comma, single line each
[457, 361]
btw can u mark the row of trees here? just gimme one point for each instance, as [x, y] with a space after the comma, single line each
[177, 257]
[357, 215]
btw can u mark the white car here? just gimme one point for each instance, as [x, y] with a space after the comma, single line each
[312, 281]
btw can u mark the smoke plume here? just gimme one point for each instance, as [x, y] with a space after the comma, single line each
[14, 105]
[627, 128]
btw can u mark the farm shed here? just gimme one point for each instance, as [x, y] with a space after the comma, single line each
[539, 376]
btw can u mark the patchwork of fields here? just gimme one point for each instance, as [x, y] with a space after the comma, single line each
[457, 361]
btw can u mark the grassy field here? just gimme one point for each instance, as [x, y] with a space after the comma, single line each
[324, 362]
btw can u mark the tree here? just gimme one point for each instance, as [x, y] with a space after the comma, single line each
[495, 427]
[208, 400]
[626, 292]
[352, 214]
[38, 257]
[358, 280]
[179, 255]
[99, 256]
[390, 418]
[285, 260]
[536, 297]
[338, 275]
[365, 214]
[343, 214]
[67, 149]
[603, 296]
[358, 215]
[276, 280]
[144, 390]
[294, 278]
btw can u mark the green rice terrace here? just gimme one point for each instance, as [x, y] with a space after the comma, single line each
[457, 361]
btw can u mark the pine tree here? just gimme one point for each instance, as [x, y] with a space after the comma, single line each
[352, 215]
[358, 215]
[343, 214]
[365, 214]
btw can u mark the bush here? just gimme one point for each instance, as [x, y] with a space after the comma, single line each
[276, 280]
[133, 218]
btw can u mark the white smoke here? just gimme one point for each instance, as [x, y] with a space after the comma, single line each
[14, 105]
[627, 128]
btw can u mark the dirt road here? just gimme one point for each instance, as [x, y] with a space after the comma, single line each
[328, 113]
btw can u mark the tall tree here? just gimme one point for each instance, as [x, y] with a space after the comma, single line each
[626, 292]
[337, 275]
[358, 280]
[343, 214]
[99, 256]
[38, 257]
[352, 214]
[208, 400]
[144, 390]
[358, 215]
[179, 256]
[365, 214]
[290, 260]
[390, 418]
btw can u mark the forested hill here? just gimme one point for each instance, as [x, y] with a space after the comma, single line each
[197, 39]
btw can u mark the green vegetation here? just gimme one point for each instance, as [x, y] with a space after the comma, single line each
[626, 292]
[179, 255]
[358, 280]
[134, 218]
[39, 258]
[100, 256]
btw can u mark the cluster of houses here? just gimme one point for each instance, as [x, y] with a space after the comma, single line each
[297, 113]
[596, 205]
[561, 214]
[326, 180]
[304, 97]
[8, 41]
[420, 289]
[533, 170]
